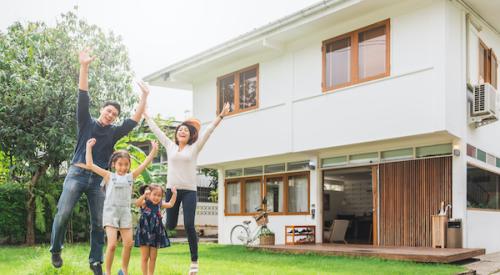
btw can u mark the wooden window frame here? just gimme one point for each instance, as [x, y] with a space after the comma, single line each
[263, 179]
[354, 60]
[236, 77]
[493, 70]
[488, 69]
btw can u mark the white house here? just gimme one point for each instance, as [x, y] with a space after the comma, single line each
[356, 110]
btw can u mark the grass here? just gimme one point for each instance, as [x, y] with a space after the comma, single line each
[214, 259]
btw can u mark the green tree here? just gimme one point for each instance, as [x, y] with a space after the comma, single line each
[38, 84]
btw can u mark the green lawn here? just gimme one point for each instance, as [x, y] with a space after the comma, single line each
[214, 259]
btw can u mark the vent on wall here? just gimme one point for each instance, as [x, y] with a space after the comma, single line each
[483, 110]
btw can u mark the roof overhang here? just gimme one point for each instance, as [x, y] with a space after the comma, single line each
[269, 39]
[272, 38]
[487, 11]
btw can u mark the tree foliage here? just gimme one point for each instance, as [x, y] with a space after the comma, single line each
[38, 83]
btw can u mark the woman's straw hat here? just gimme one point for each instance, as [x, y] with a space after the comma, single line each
[194, 122]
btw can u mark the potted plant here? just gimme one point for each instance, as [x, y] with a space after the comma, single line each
[266, 236]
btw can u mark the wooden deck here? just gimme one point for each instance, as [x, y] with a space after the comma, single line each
[416, 254]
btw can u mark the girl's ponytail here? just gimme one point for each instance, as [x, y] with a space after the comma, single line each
[143, 188]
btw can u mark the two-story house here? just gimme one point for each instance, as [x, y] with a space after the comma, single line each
[355, 110]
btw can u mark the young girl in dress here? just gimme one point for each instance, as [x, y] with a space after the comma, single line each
[150, 234]
[117, 214]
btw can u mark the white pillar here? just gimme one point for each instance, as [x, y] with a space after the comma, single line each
[459, 185]
[220, 208]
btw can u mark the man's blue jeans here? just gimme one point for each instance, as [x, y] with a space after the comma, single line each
[77, 182]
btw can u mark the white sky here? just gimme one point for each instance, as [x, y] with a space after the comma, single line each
[158, 33]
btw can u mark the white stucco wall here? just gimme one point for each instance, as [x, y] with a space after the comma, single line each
[483, 230]
[292, 106]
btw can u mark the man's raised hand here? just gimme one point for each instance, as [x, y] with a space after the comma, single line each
[144, 87]
[85, 58]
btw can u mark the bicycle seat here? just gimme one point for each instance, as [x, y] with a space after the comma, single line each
[247, 222]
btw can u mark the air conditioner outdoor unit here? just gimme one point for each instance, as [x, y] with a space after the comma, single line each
[484, 105]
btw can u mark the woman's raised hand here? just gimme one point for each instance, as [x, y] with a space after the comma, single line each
[225, 110]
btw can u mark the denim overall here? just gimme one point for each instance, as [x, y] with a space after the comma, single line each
[117, 204]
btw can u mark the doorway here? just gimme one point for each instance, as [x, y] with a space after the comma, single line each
[349, 198]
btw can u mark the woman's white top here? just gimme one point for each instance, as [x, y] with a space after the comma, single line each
[181, 164]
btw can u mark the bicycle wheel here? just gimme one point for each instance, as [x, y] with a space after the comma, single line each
[239, 235]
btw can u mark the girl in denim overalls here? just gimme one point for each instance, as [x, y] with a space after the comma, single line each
[117, 214]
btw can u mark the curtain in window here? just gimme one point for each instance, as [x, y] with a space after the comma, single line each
[252, 195]
[297, 194]
[233, 198]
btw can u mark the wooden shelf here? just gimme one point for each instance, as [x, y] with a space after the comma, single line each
[300, 234]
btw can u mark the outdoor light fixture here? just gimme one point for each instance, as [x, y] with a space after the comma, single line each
[456, 150]
[312, 165]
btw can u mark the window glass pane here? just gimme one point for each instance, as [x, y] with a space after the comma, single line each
[338, 62]
[252, 195]
[481, 155]
[274, 194]
[406, 153]
[335, 161]
[248, 89]
[372, 52]
[274, 168]
[226, 92]
[297, 194]
[298, 165]
[364, 158]
[471, 151]
[252, 170]
[234, 172]
[233, 198]
[434, 150]
[482, 188]
[491, 159]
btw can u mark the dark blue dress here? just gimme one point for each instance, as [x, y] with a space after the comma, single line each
[150, 230]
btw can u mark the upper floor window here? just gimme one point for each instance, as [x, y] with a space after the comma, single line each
[358, 56]
[240, 89]
[488, 65]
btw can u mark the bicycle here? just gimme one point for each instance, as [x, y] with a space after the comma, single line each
[241, 233]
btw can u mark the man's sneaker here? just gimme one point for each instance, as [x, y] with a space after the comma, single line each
[57, 260]
[96, 268]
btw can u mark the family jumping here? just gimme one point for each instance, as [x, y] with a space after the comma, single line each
[105, 177]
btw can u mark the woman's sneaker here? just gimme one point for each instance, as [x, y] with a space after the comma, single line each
[193, 269]
[96, 268]
[57, 261]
